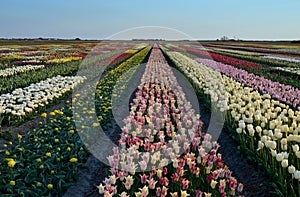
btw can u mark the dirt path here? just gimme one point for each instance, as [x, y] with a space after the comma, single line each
[94, 172]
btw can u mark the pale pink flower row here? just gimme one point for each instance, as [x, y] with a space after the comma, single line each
[162, 144]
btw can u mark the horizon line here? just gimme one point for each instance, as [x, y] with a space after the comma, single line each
[141, 39]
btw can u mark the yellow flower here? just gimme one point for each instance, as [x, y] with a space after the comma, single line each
[38, 160]
[213, 184]
[56, 140]
[68, 118]
[56, 129]
[11, 162]
[19, 136]
[48, 154]
[73, 160]
[184, 193]
[159, 173]
[50, 186]
[173, 134]
[95, 124]
[44, 115]
[71, 131]
[4, 145]
[7, 152]
[59, 112]
[52, 113]
[12, 183]
[68, 149]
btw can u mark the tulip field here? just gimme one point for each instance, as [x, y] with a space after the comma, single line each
[163, 146]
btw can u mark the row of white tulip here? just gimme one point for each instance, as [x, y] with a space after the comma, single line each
[204, 77]
[282, 58]
[23, 101]
[289, 69]
[19, 69]
[272, 127]
[23, 53]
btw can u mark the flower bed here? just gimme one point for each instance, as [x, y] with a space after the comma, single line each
[20, 69]
[20, 103]
[45, 162]
[267, 129]
[224, 59]
[284, 93]
[25, 79]
[288, 69]
[105, 86]
[268, 69]
[152, 165]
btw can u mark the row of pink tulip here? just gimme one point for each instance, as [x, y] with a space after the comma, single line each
[163, 150]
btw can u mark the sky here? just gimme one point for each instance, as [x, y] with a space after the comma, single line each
[102, 19]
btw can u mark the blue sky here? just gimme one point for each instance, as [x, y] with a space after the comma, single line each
[201, 19]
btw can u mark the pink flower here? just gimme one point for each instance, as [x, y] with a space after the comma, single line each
[158, 191]
[180, 171]
[215, 174]
[222, 186]
[175, 177]
[185, 183]
[143, 178]
[199, 193]
[240, 187]
[151, 183]
[165, 170]
[143, 165]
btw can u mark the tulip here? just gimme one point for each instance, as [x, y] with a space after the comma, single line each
[297, 174]
[285, 163]
[291, 169]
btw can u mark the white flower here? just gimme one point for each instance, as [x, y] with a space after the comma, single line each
[295, 148]
[101, 189]
[271, 144]
[260, 145]
[297, 174]
[291, 169]
[285, 163]
[279, 157]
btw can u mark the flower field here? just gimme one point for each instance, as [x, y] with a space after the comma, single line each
[163, 147]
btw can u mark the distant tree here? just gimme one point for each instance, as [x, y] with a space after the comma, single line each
[77, 39]
[224, 38]
[295, 41]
